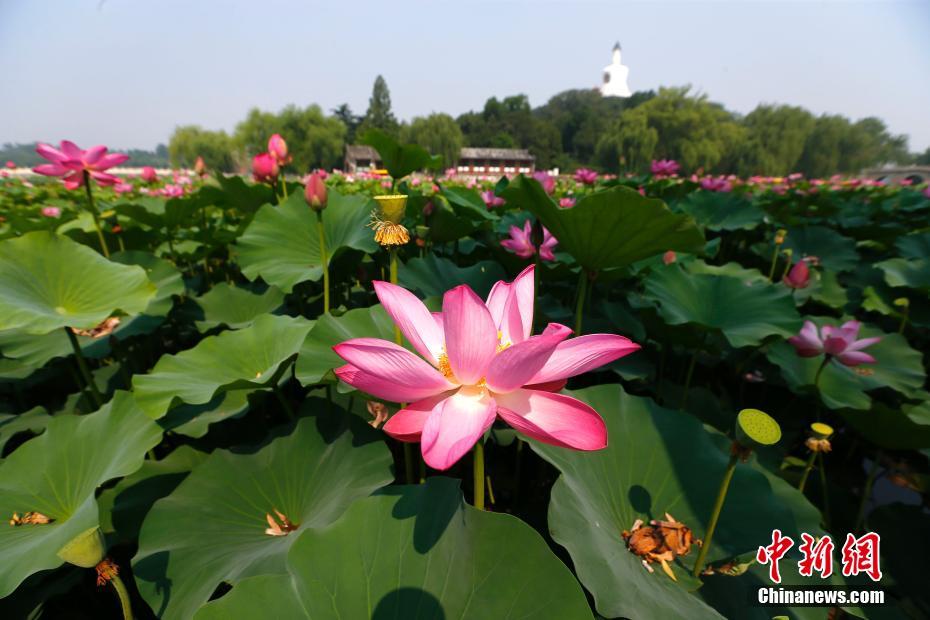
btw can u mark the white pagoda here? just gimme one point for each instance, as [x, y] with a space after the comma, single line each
[615, 77]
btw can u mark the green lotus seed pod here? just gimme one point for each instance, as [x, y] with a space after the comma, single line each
[756, 428]
[821, 430]
[85, 550]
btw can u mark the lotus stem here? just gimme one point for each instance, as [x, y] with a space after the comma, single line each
[774, 263]
[478, 471]
[867, 491]
[715, 514]
[807, 471]
[823, 364]
[206, 246]
[324, 261]
[93, 214]
[123, 594]
[579, 304]
[85, 371]
[283, 185]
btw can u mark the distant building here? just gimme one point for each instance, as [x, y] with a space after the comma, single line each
[495, 162]
[615, 77]
[361, 156]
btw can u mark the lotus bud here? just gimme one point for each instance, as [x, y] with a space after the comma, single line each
[780, 235]
[315, 192]
[85, 550]
[265, 168]
[755, 428]
[200, 167]
[149, 175]
[277, 148]
[386, 220]
[669, 257]
[902, 302]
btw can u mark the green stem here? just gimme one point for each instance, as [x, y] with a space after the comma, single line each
[283, 185]
[823, 364]
[408, 463]
[867, 491]
[123, 595]
[85, 371]
[581, 292]
[689, 375]
[478, 471]
[807, 471]
[715, 514]
[93, 214]
[323, 261]
[774, 262]
[206, 246]
[903, 322]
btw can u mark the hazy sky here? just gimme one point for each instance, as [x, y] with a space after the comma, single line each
[126, 72]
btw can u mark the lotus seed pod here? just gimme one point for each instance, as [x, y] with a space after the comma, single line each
[821, 430]
[85, 550]
[755, 428]
[392, 207]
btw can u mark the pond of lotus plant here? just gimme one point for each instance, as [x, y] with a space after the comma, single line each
[405, 394]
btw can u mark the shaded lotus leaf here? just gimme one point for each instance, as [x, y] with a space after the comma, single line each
[195, 420]
[211, 528]
[734, 270]
[721, 211]
[433, 275]
[611, 228]
[914, 245]
[658, 461]
[900, 526]
[57, 473]
[913, 273]
[903, 428]
[235, 307]
[898, 367]
[400, 159]
[50, 282]
[317, 358]
[836, 252]
[417, 552]
[233, 192]
[467, 203]
[282, 243]
[33, 421]
[160, 272]
[746, 313]
[253, 357]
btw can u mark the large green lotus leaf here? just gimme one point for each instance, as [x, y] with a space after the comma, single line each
[50, 282]
[836, 252]
[195, 420]
[211, 528]
[57, 474]
[317, 357]
[657, 461]
[282, 244]
[746, 313]
[33, 421]
[734, 270]
[400, 159]
[163, 274]
[904, 428]
[253, 357]
[612, 228]
[416, 552]
[467, 203]
[904, 530]
[721, 211]
[433, 275]
[913, 273]
[235, 307]
[915, 245]
[898, 367]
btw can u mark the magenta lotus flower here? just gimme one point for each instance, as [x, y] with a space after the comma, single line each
[490, 200]
[718, 184]
[277, 148]
[123, 188]
[664, 167]
[265, 168]
[10, 164]
[586, 176]
[546, 180]
[51, 212]
[148, 174]
[479, 362]
[71, 163]
[799, 276]
[839, 342]
[927, 192]
[567, 203]
[521, 242]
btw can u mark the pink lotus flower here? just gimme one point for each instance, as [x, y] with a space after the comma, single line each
[839, 342]
[480, 363]
[719, 184]
[927, 192]
[265, 168]
[799, 276]
[200, 167]
[669, 257]
[315, 192]
[148, 174]
[10, 164]
[123, 188]
[546, 180]
[71, 163]
[490, 200]
[521, 242]
[567, 202]
[277, 148]
[664, 167]
[586, 176]
[51, 212]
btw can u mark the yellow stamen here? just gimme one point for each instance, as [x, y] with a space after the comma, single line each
[445, 368]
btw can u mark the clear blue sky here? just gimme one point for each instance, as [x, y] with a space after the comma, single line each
[126, 72]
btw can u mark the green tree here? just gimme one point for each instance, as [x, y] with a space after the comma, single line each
[313, 139]
[437, 133]
[379, 114]
[216, 147]
[350, 120]
[775, 138]
[510, 123]
[629, 143]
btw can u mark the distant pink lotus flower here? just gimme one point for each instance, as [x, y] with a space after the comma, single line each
[148, 174]
[490, 200]
[265, 168]
[567, 202]
[172, 191]
[927, 192]
[71, 163]
[10, 164]
[480, 363]
[200, 167]
[546, 180]
[839, 342]
[123, 188]
[799, 276]
[716, 184]
[586, 176]
[277, 148]
[664, 167]
[521, 242]
[51, 212]
[669, 257]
